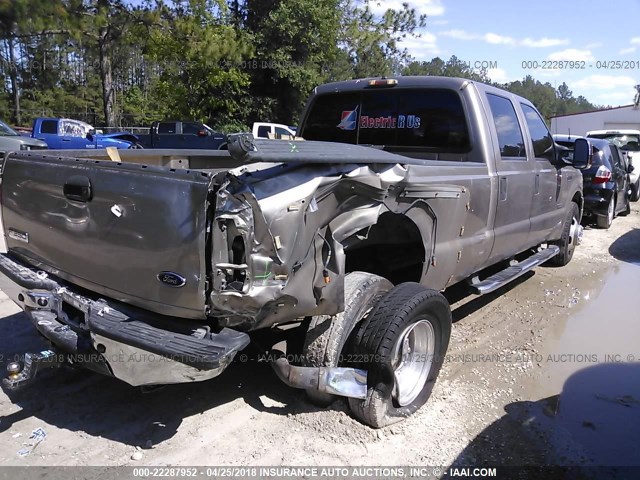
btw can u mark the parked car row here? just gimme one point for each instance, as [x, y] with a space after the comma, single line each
[608, 185]
[69, 134]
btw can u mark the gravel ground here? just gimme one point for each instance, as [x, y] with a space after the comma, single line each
[499, 399]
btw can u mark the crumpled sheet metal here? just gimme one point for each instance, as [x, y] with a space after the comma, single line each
[296, 217]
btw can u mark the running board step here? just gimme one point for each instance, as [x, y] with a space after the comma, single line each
[512, 272]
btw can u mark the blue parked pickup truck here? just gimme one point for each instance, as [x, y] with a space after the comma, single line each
[64, 134]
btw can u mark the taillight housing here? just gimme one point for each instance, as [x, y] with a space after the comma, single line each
[603, 175]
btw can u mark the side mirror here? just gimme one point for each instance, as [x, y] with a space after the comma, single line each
[203, 133]
[563, 154]
[630, 168]
[582, 154]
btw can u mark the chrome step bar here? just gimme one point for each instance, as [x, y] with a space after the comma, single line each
[512, 272]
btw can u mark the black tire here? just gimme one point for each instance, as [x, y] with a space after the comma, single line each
[605, 222]
[375, 339]
[627, 208]
[136, 146]
[327, 335]
[635, 192]
[567, 243]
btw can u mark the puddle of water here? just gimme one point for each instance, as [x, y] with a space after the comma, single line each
[594, 365]
[605, 330]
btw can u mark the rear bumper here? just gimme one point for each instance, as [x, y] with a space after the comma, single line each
[597, 202]
[136, 346]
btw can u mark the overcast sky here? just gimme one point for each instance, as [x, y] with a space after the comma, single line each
[511, 35]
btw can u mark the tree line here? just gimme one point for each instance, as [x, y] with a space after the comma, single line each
[225, 62]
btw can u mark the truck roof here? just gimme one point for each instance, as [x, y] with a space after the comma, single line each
[455, 83]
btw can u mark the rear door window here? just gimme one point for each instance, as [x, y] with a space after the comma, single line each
[49, 126]
[264, 131]
[507, 127]
[166, 127]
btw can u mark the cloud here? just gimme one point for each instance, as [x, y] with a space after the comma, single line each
[606, 82]
[544, 42]
[627, 51]
[498, 75]
[431, 8]
[422, 48]
[572, 54]
[613, 98]
[495, 39]
[635, 41]
[460, 35]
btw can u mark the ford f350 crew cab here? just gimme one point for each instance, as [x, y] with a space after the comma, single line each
[160, 275]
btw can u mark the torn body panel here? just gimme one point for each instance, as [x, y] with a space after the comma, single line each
[295, 222]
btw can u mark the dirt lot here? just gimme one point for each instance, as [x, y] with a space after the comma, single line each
[527, 381]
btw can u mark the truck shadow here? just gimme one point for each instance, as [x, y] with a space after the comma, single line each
[464, 303]
[592, 423]
[82, 401]
[627, 247]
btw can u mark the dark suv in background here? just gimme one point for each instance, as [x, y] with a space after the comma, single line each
[607, 186]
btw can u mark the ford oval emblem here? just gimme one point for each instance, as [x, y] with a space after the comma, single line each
[172, 279]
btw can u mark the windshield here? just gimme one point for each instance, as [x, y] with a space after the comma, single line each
[74, 128]
[7, 131]
[629, 142]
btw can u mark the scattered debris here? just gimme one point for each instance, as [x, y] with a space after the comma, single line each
[270, 403]
[137, 455]
[37, 436]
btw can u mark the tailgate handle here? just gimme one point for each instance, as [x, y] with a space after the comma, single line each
[78, 188]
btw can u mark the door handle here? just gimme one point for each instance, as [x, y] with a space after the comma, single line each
[537, 184]
[503, 189]
[66, 139]
[78, 188]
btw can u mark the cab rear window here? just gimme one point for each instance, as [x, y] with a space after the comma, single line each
[428, 119]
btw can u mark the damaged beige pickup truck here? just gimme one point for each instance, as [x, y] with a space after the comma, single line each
[160, 267]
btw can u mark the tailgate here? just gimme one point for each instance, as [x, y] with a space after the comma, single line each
[136, 223]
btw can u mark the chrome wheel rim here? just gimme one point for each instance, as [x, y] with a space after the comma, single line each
[412, 359]
[575, 234]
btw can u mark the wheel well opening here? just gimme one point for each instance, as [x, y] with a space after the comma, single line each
[577, 199]
[392, 248]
